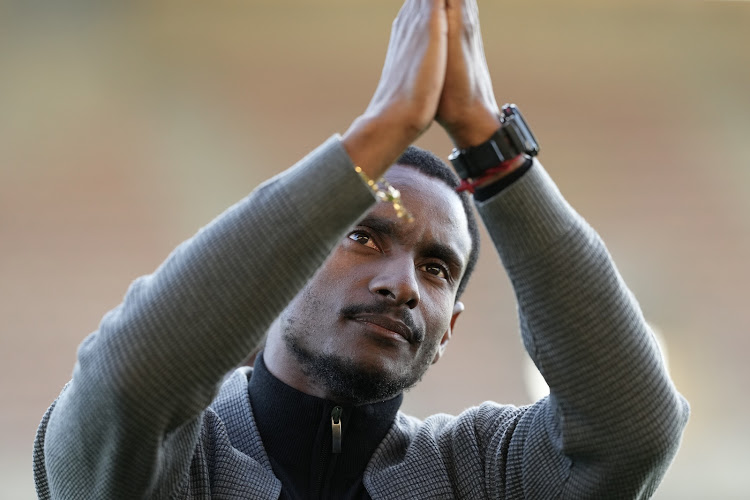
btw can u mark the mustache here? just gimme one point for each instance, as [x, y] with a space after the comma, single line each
[403, 314]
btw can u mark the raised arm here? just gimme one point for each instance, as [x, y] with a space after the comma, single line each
[613, 420]
[130, 414]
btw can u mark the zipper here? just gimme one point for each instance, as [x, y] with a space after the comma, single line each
[336, 429]
[328, 459]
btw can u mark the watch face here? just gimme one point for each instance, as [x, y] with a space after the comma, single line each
[518, 131]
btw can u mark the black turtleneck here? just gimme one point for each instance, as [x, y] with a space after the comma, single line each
[296, 430]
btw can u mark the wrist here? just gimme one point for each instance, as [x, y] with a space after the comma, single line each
[510, 167]
[476, 128]
[497, 175]
[506, 150]
[489, 189]
[374, 144]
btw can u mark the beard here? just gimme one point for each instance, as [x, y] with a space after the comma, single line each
[347, 381]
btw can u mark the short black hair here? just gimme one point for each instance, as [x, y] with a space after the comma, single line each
[432, 166]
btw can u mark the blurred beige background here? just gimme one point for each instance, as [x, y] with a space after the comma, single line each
[125, 126]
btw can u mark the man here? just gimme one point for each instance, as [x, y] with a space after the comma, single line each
[357, 299]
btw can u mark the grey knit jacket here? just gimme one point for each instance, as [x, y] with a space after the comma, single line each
[141, 417]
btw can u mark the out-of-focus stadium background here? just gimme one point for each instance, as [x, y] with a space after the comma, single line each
[125, 126]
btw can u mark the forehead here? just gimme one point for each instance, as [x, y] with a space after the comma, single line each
[439, 216]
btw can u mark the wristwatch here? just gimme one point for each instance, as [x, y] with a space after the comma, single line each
[513, 138]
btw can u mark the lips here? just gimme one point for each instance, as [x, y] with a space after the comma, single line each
[391, 324]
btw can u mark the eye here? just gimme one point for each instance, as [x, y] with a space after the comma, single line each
[436, 270]
[363, 239]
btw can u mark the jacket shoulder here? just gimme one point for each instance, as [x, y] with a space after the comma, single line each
[444, 456]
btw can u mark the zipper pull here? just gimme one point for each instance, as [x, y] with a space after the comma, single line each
[336, 429]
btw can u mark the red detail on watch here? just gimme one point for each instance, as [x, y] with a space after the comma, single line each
[471, 185]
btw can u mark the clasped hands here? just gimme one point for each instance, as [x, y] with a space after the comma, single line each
[434, 70]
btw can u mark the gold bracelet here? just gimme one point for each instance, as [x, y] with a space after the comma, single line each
[387, 193]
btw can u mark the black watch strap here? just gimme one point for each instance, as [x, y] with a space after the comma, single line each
[513, 138]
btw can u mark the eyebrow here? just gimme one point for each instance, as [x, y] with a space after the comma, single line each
[386, 227]
[433, 249]
[444, 253]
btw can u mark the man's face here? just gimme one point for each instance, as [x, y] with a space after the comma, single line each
[379, 310]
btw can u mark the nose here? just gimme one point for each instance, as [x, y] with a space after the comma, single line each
[396, 280]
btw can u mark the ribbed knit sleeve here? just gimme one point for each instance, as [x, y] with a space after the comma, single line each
[613, 420]
[127, 423]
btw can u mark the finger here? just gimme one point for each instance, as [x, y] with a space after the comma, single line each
[468, 9]
[406, 11]
[454, 14]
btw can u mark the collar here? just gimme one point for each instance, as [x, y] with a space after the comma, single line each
[296, 428]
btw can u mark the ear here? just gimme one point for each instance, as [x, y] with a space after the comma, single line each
[458, 308]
